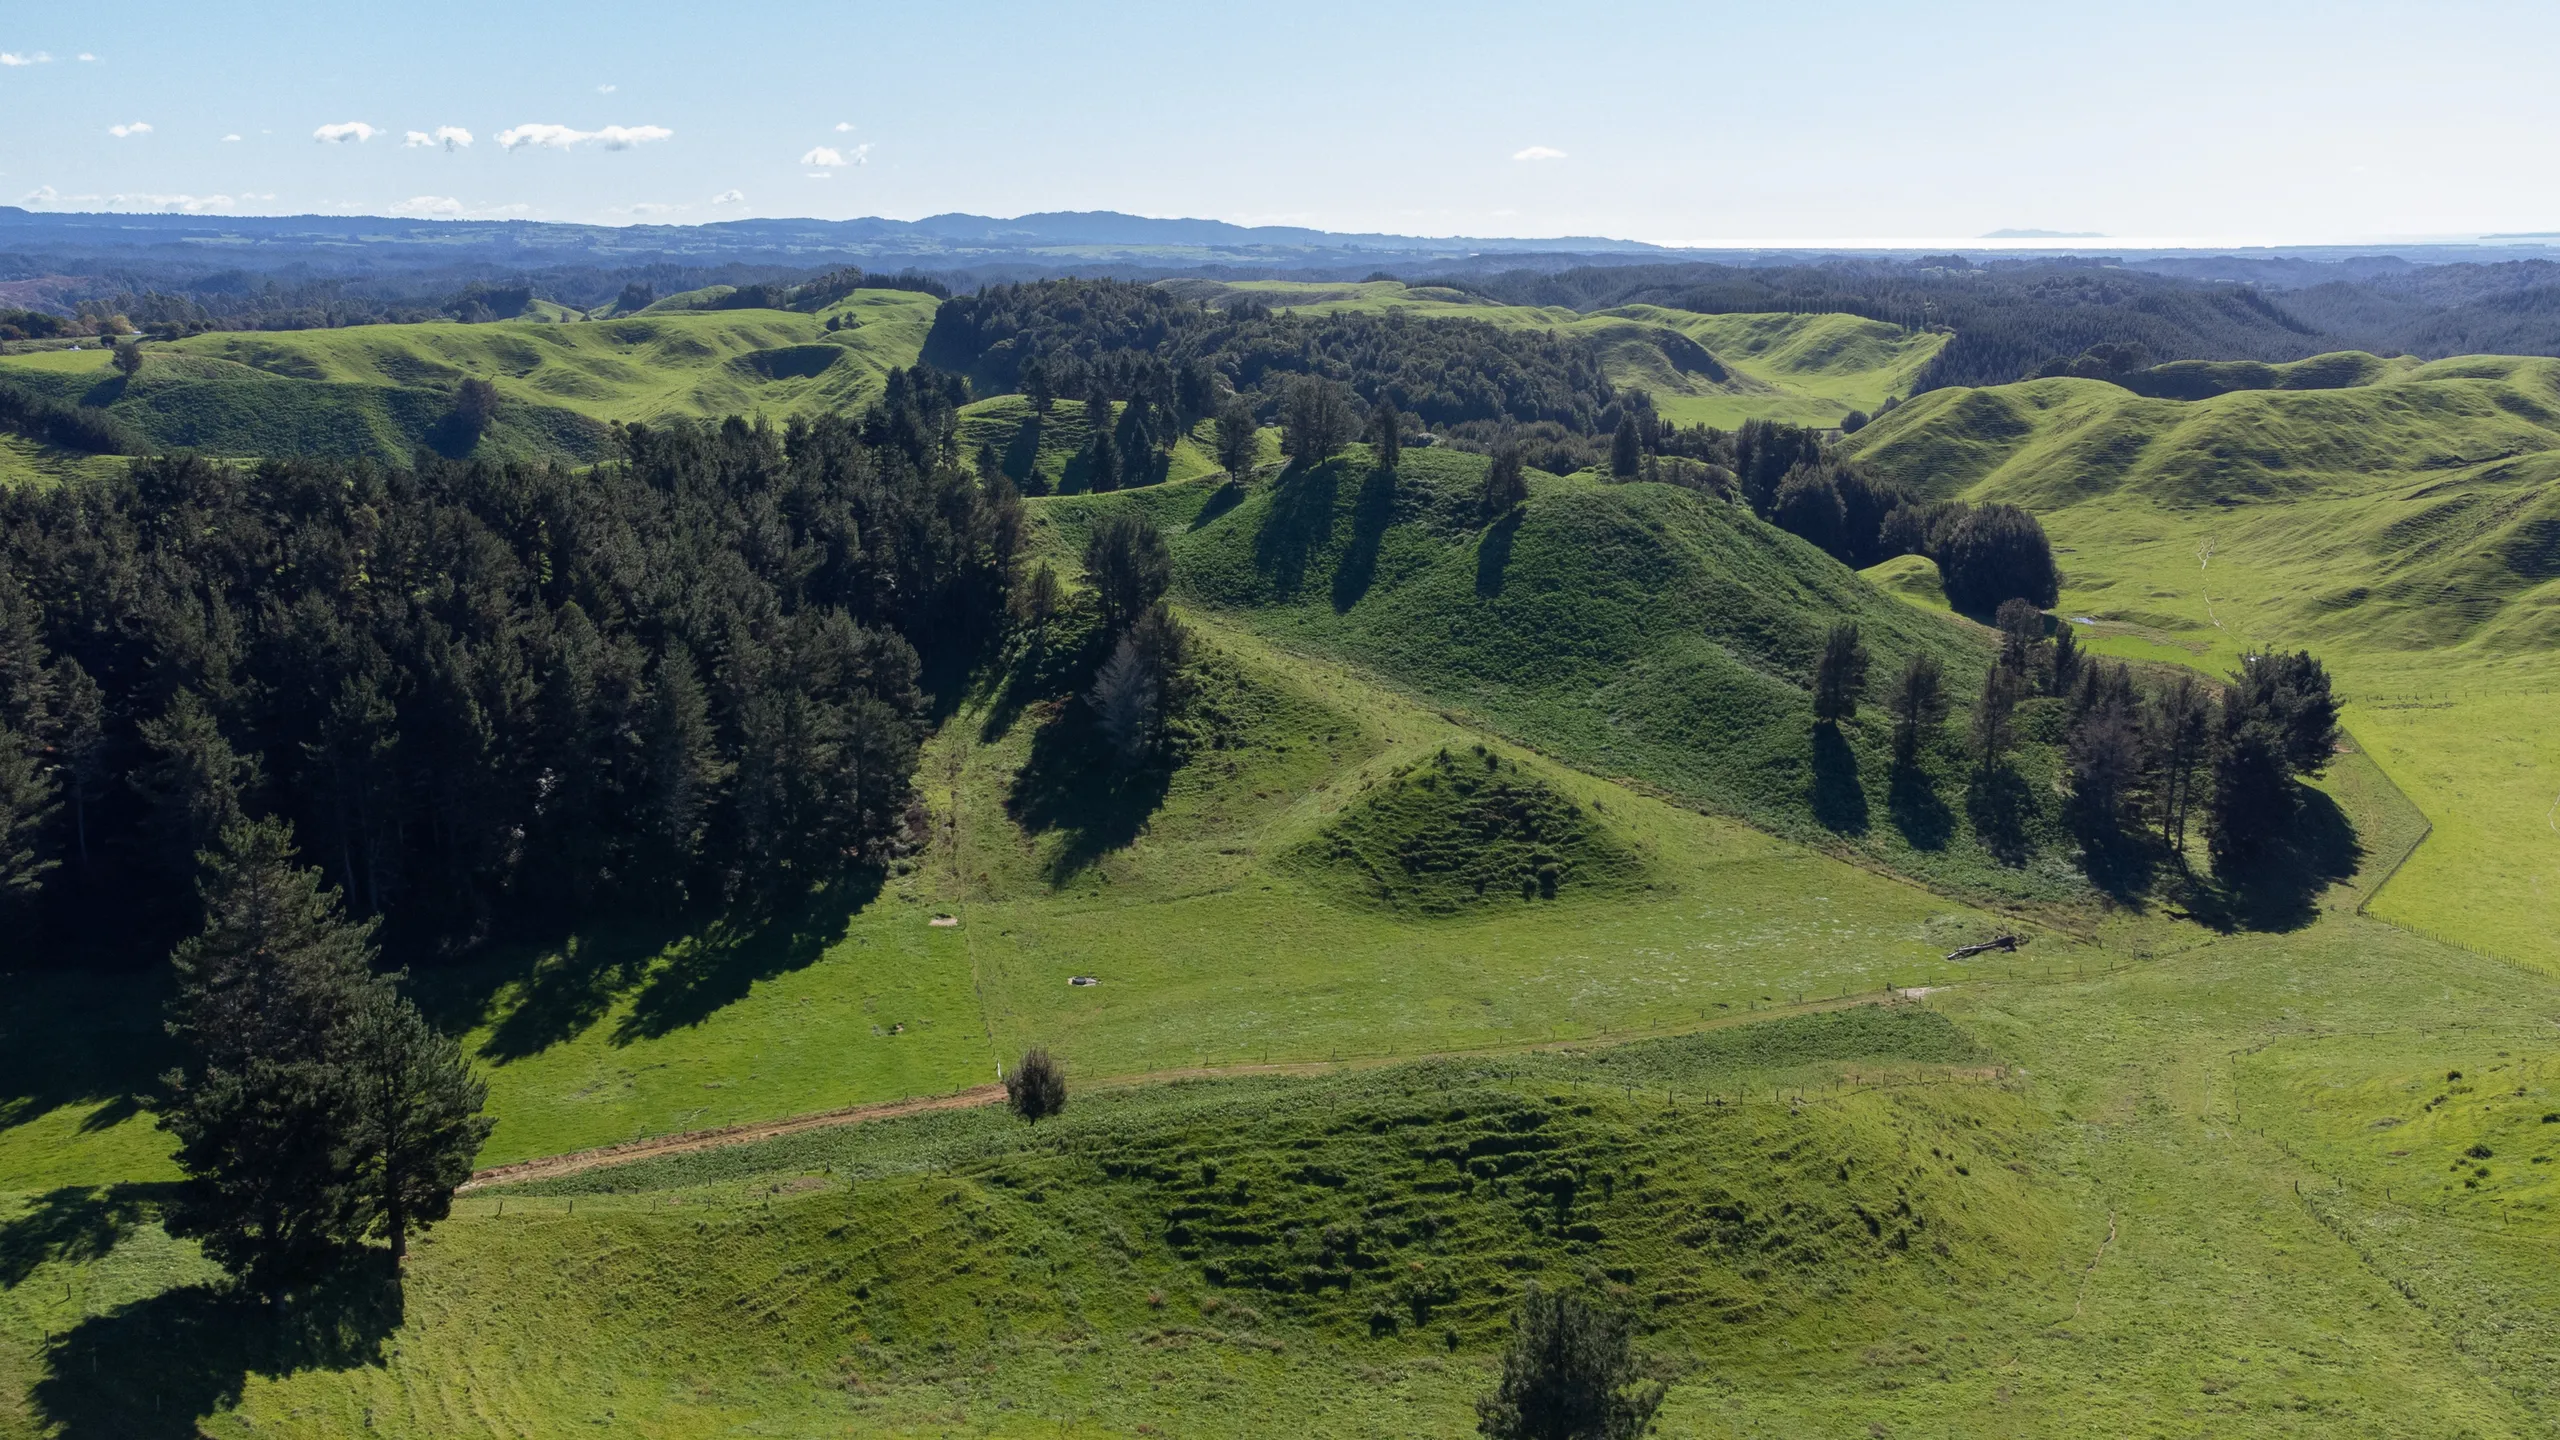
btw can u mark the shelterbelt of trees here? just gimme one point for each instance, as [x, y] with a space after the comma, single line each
[487, 697]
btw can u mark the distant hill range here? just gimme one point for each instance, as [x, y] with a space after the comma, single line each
[938, 240]
[1046, 241]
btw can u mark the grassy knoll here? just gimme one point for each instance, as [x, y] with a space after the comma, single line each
[2402, 528]
[1701, 369]
[386, 390]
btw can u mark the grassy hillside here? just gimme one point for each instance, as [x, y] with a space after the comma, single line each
[2403, 528]
[385, 390]
[1631, 630]
[1701, 369]
[2037, 1197]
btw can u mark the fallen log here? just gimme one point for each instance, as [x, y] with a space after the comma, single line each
[2005, 942]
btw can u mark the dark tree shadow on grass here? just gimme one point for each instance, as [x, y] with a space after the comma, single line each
[1493, 552]
[75, 1224]
[562, 990]
[2001, 807]
[1221, 500]
[153, 1369]
[1838, 796]
[2282, 889]
[677, 970]
[1298, 524]
[1371, 513]
[1075, 784]
[1912, 800]
[718, 964]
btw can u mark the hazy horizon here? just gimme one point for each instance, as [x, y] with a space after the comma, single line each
[1869, 125]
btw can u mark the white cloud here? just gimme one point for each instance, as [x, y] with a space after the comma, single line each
[187, 204]
[821, 155]
[38, 58]
[844, 127]
[822, 174]
[428, 205]
[138, 127]
[451, 137]
[607, 89]
[88, 59]
[227, 139]
[1539, 152]
[561, 137]
[623, 137]
[730, 197]
[344, 131]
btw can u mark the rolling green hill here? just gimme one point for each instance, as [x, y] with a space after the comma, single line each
[1334, 1101]
[1701, 369]
[1631, 630]
[2404, 527]
[385, 390]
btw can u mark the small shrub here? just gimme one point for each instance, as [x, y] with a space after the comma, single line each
[1037, 1088]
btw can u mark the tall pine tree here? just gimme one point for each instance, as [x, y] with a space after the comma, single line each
[264, 1103]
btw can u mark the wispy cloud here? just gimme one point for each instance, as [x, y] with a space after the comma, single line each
[344, 131]
[183, 204]
[827, 157]
[451, 137]
[730, 197]
[607, 89]
[844, 127]
[12, 58]
[88, 59]
[1538, 152]
[562, 137]
[428, 205]
[227, 139]
[138, 127]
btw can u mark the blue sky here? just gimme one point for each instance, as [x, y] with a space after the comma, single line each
[1691, 123]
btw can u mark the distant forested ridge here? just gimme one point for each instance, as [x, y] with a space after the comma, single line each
[2011, 320]
[1067, 337]
[490, 698]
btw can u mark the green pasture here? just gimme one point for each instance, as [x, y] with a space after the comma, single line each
[2402, 529]
[2118, 1197]
[384, 390]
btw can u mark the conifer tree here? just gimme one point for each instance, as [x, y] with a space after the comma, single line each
[2178, 738]
[1386, 432]
[1129, 566]
[194, 783]
[419, 1120]
[1994, 730]
[1918, 703]
[1626, 448]
[264, 1103]
[1239, 438]
[1506, 482]
[1840, 675]
[1569, 1373]
[27, 807]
